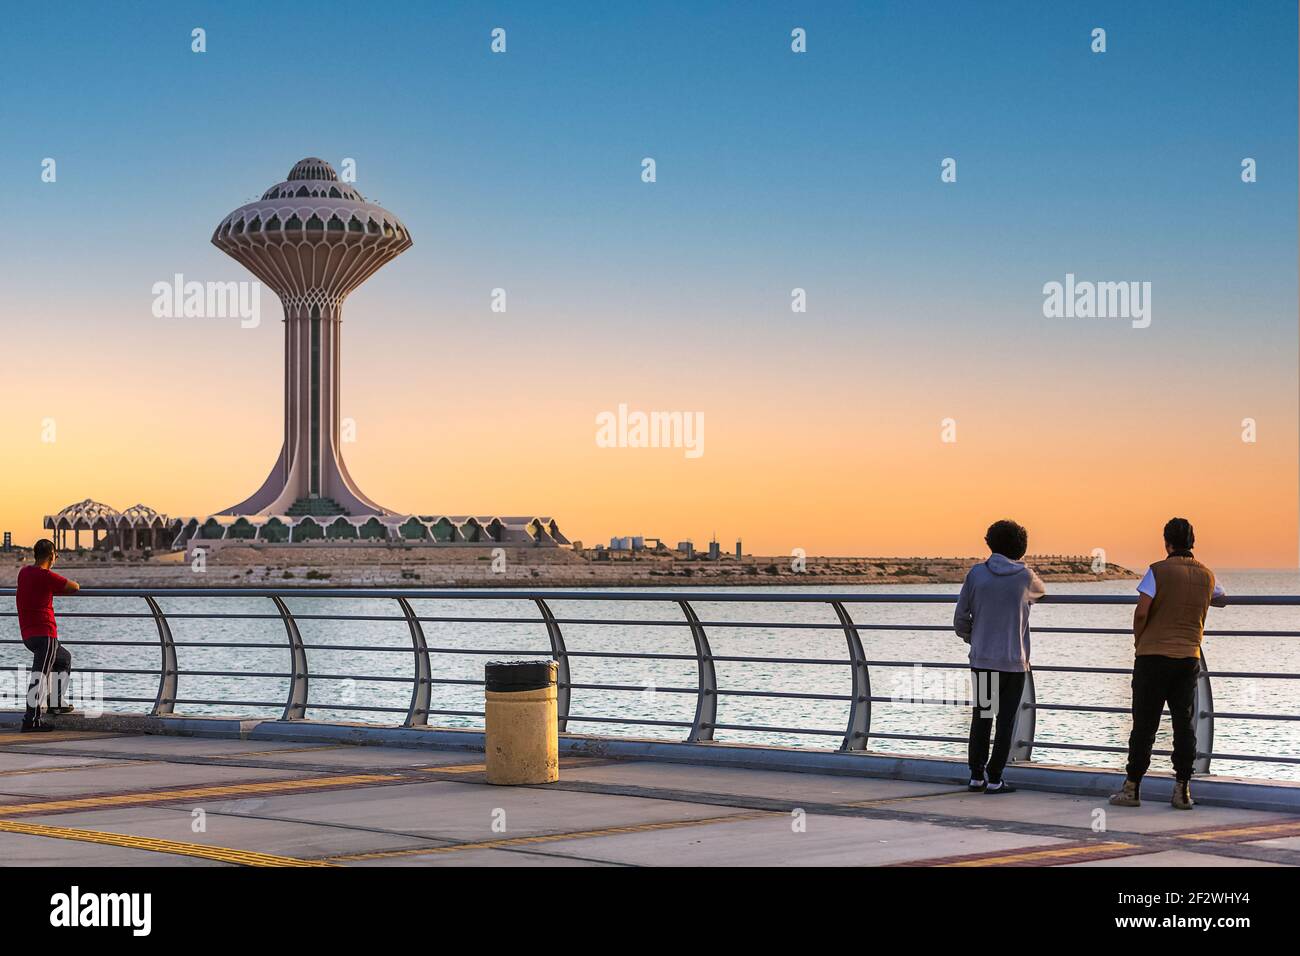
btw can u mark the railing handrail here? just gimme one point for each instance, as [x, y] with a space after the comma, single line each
[687, 591]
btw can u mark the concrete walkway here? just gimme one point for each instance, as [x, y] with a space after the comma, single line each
[104, 799]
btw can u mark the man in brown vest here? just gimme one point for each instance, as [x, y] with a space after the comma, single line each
[1168, 626]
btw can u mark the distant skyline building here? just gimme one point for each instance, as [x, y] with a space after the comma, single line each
[312, 240]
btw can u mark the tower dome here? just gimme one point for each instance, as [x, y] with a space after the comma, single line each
[312, 240]
[313, 168]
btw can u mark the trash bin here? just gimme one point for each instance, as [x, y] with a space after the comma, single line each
[522, 740]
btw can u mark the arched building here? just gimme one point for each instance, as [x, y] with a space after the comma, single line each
[340, 529]
[137, 528]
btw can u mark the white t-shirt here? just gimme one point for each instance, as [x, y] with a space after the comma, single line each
[1147, 586]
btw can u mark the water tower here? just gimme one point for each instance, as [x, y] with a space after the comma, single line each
[311, 239]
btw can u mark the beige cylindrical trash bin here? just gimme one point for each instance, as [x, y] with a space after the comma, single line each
[522, 741]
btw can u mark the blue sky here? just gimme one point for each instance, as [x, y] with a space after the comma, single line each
[775, 170]
[822, 163]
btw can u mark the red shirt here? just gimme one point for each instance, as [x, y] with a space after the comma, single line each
[36, 588]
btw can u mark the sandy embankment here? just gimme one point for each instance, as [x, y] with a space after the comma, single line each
[416, 566]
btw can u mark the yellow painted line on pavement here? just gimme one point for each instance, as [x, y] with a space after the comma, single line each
[212, 792]
[457, 768]
[1048, 856]
[568, 763]
[127, 842]
[113, 759]
[916, 796]
[271, 753]
[1246, 833]
[99, 764]
[54, 736]
[510, 842]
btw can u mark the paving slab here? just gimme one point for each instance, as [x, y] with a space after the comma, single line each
[1063, 809]
[467, 812]
[764, 784]
[771, 841]
[12, 761]
[649, 821]
[364, 758]
[301, 840]
[137, 744]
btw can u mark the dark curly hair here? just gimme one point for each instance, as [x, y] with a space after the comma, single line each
[1007, 539]
[1179, 534]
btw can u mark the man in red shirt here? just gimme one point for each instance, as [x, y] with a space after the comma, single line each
[37, 585]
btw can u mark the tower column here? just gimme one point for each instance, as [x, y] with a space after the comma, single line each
[311, 400]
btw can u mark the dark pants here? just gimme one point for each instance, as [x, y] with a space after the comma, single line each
[1156, 681]
[994, 692]
[51, 666]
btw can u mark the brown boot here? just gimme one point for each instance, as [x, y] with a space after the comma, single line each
[1182, 799]
[1127, 796]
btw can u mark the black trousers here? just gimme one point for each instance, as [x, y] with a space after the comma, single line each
[1158, 681]
[51, 666]
[995, 692]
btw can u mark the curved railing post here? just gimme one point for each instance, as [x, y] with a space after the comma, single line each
[165, 700]
[422, 686]
[561, 655]
[1022, 731]
[1203, 715]
[706, 688]
[859, 726]
[295, 707]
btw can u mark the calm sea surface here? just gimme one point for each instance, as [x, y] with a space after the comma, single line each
[653, 696]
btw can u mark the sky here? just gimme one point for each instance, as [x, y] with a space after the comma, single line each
[774, 170]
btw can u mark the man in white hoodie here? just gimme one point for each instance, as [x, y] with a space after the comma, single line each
[993, 618]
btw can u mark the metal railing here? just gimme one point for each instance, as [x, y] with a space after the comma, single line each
[855, 733]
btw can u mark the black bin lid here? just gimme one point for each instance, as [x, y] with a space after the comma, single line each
[507, 676]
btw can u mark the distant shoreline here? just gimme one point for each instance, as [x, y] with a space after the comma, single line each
[412, 567]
